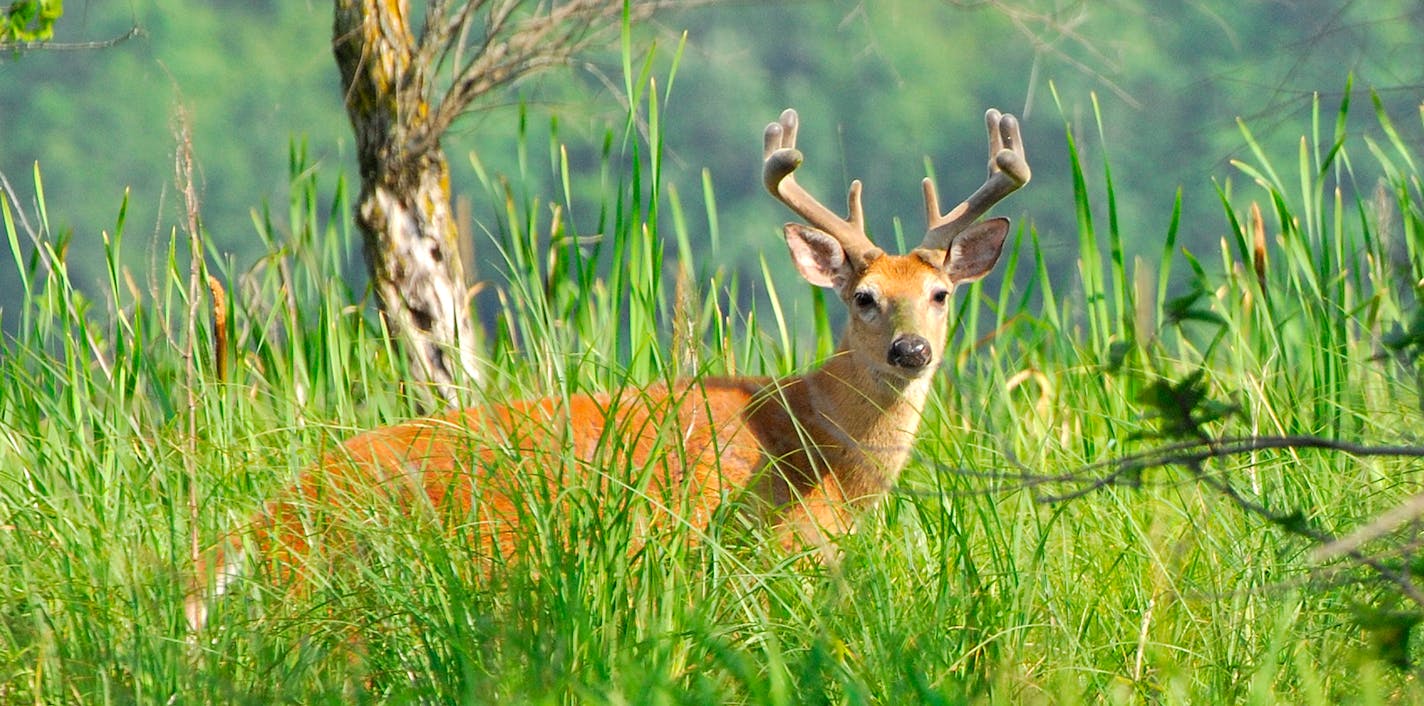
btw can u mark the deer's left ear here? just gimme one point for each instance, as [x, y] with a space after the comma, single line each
[974, 252]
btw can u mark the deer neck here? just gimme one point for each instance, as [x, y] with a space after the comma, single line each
[863, 421]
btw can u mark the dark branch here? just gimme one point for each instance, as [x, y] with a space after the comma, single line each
[1126, 470]
[1193, 455]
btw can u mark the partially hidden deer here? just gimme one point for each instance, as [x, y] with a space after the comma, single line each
[810, 451]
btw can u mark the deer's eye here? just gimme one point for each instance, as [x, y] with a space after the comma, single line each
[940, 296]
[864, 300]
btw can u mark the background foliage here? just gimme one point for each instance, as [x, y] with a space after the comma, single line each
[882, 86]
[1042, 547]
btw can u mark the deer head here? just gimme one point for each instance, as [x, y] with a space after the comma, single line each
[899, 304]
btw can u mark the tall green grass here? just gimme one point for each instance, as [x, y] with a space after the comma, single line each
[965, 587]
[1182, 583]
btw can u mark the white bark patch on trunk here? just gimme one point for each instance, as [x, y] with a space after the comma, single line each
[420, 282]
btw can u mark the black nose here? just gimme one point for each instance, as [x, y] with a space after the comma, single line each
[910, 352]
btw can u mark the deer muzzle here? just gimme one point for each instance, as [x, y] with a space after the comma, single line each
[910, 352]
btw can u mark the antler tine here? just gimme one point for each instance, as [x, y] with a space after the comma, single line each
[780, 159]
[1008, 170]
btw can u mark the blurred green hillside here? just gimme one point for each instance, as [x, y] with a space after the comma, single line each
[882, 87]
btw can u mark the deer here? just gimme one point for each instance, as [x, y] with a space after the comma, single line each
[810, 452]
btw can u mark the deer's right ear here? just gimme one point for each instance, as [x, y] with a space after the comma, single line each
[820, 258]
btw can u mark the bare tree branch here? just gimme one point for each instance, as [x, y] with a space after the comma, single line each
[1127, 469]
[133, 31]
[509, 49]
[1194, 454]
[1384, 523]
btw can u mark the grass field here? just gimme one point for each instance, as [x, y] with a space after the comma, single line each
[1015, 564]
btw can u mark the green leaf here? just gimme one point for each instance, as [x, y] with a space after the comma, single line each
[30, 20]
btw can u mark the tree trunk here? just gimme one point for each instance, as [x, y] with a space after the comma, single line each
[404, 212]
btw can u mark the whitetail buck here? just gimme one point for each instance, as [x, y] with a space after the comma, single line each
[809, 451]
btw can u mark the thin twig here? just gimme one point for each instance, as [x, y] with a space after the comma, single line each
[1124, 470]
[134, 31]
[1298, 526]
[1194, 454]
[20, 215]
[1384, 523]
